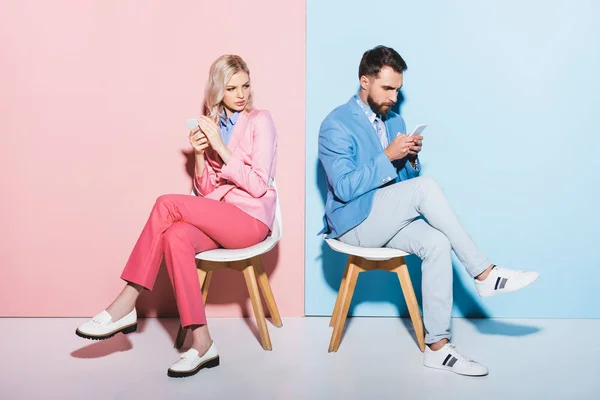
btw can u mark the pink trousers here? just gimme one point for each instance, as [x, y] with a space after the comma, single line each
[180, 226]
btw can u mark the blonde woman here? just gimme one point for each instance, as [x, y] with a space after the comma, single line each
[235, 151]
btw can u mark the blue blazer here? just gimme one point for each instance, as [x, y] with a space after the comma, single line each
[356, 165]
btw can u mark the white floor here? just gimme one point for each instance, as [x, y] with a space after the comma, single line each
[378, 359]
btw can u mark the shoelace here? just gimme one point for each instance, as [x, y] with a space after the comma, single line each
[514, 274]
[452, 350]
[502, 269]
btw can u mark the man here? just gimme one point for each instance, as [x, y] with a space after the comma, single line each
[375, 198]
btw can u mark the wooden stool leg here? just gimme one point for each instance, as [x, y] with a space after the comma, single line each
[338, 300]
[180, 337]
[411, 303]
[250, 277]
[348, 292]
[181, 333]
[265, 287]
[206, 286]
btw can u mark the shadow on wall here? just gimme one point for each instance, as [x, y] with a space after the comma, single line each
[381, 286]
[227, 287]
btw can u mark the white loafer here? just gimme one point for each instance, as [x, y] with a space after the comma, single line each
[190, 362]
[102, 327]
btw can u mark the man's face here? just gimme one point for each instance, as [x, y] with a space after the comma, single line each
[382, 91]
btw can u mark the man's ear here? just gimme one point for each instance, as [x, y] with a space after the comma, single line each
[364, 82]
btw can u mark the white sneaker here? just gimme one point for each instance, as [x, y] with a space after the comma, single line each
[191, 362]
[449, 359]
[503, 280]
[102, 327]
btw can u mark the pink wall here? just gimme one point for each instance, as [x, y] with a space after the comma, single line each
[93, 100]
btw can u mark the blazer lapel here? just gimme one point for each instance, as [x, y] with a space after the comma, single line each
[364, 122]
[238, 130]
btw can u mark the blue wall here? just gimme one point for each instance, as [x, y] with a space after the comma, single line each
[510, 92]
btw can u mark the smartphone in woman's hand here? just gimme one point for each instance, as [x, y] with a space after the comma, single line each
[192, 123]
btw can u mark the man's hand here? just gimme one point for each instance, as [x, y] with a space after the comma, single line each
[399, 148]
[416, 147]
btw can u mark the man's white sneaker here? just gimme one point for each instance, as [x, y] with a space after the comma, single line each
[191, 362]
[102, 327]
[449, 359]
[503, 280]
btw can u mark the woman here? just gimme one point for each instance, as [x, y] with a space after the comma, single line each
[235, 151]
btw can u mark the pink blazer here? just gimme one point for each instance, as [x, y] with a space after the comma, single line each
[246, 180]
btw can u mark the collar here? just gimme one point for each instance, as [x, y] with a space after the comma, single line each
[231, 120]
[366, 109]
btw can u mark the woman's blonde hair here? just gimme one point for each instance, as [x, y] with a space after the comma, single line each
[220, 73]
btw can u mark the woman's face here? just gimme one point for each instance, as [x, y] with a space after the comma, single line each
[237, 92]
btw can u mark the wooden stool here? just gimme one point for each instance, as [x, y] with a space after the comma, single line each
[378, 259]
[252, 269]
[249, 262]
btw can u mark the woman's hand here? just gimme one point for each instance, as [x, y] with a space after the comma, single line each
[198, 141]
[213, 134]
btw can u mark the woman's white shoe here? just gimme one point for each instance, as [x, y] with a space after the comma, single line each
[102, 326]
[191, 362]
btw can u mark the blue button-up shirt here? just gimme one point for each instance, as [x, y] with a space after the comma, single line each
[226, 125]
[377, 123]
[379, 126]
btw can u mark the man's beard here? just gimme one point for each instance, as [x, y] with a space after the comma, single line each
[379, 109]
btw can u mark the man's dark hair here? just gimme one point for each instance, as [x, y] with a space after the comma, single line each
[378, 57]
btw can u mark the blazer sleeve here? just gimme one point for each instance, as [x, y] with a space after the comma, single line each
[207, 182]
[254, 178]
[348, 179]
[411, 171]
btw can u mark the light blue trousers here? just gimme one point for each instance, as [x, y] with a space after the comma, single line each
[396, 221]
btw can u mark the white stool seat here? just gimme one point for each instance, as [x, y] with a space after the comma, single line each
[227, 255]
[368, 253]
